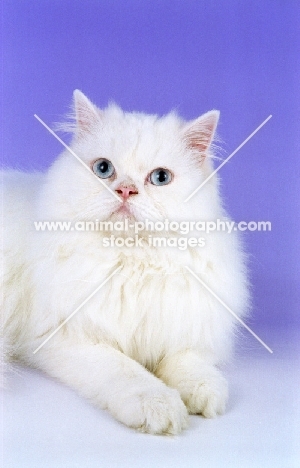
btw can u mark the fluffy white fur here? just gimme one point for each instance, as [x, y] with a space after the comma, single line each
[148, 345]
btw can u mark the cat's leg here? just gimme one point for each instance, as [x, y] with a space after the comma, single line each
[115, 382]
[201, 385]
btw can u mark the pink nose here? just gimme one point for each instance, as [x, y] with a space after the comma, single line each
[126, 192]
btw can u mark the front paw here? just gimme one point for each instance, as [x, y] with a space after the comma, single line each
[207, 395]
[155, 410]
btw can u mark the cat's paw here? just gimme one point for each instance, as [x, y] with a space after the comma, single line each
[207, 396]
[155, 410]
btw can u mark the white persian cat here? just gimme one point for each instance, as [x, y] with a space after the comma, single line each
[148, 344]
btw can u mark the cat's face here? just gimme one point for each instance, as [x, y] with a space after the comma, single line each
[151, 164]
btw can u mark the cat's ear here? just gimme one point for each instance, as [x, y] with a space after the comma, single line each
[199, 133]
[87, 115]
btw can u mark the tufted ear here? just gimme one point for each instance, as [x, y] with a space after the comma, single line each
[199, 133]
[87, 114]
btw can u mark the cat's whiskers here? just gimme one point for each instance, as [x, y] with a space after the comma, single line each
[150, 210]
[93, 211]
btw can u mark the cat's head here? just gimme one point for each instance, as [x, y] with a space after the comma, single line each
[149, 164]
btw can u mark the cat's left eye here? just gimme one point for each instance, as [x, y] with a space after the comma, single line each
[103, 168]
[160, 176]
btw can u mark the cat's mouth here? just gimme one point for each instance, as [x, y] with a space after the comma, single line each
[123, 211]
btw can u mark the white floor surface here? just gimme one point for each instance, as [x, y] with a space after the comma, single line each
[47, 425]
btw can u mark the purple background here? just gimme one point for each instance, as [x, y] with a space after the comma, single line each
[240, 57]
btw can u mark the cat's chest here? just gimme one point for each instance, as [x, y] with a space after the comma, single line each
[147, 307]
[149, 311]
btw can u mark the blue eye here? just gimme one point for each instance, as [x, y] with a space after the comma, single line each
[160, 176]
[103, 168]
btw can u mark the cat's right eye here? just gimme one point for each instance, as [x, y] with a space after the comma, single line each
[103, 168]
[160, 176]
